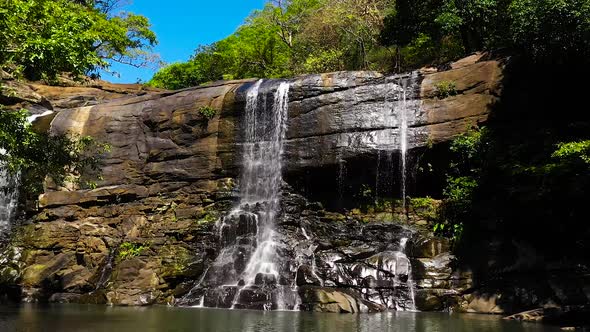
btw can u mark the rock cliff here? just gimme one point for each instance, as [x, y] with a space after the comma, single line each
[148, 232]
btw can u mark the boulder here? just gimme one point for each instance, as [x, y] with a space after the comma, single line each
[306, 276]
[483, 304]
[578, 315]
[35, 274]
[327, 300]
[430, 247]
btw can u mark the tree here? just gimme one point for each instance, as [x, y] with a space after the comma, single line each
[289, 37]
[349, 28]
[257, 49]
[38, 155]
[104, 6]
[289, 16]
[551, 30]
[43, 38]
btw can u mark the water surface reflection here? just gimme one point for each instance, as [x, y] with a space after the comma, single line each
[65, 318]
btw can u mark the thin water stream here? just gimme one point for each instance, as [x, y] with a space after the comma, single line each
[8, 198]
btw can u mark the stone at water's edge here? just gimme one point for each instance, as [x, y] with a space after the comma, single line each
[330, 300]
[148, 232]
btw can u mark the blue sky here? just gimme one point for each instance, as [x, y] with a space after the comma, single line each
[182, 25]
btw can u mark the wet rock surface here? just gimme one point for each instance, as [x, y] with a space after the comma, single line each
[135, 253]
[345, 263]
[150, 230]
[567, 316]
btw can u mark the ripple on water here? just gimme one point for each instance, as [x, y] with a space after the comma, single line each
[82, 318]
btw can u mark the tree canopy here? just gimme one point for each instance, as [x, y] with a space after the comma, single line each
[291, 37]
[34, 155]
[40, 39]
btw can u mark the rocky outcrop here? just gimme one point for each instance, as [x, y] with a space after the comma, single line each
[332, 116]
[354, 262]
[329, 300]
[568, 317]
[123, 253]
[37, 97]
[342, 115]
[147, 233]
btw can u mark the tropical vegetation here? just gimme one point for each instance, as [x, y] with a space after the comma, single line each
[35, 156]
[291, 37]
[41, 39]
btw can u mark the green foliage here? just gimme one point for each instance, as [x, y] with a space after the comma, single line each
[208, 217]
[552, 30]
[208, 112]
[43, 38]
[38, 155]
[366, 192]
[365, 196]
[176, 76]
[382, 58]
[324, 61]
[457, 206]
[255, 50]
[293, 37]
[463, 178]
[421, 202]
[425, 207]
[289, 38]
[453, 231]
[420, 50]
[460, 190]
[547, 30]
[573, 151]
[444, 89]
[468, 150]
[129, 250]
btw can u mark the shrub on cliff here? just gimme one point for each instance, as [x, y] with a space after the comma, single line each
[36, 156]
[468, 153]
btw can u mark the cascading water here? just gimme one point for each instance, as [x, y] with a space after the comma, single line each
[246, 274]
[409, 281]
[404, 105]
[407, 103]
[262, 182]
[389, 274]
[403, 136]
[255, 269]
[9, 184]
[8, 198]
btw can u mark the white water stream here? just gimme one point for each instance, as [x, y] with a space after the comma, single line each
[8, 198]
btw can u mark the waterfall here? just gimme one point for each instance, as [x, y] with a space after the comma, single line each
[261, 183]
[404, 106]
[403, 136]
[246, 273]
[260, 188]
[394, 267]
[8, 198]
[409, 281]
[9, 183]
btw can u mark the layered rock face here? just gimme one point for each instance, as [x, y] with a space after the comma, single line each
[149, 232]
[342, 115]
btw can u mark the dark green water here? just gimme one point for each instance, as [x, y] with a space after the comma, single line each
[65, 318]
